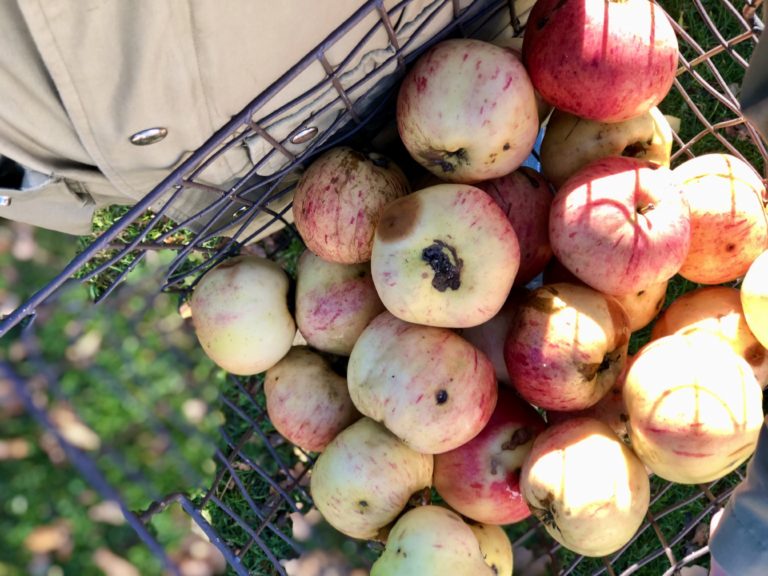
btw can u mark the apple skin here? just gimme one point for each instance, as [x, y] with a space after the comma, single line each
[694, 407]
[729, 226]
[607, 61]
[365, 477]
[515, 44]
[334, 302]
[525, 196]
[431, 541]
[307, 402]
[620, 214]
[586, 486]
[644, 305]
[495, 547]
[754, 298]
[570, 142]
[566, 346]
[240, 314]
[338, 200]
[444, 256]
[428, 385]
[716, 309]
[466, 111]
[481, 479]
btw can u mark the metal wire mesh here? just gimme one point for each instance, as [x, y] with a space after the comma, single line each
[272, 481]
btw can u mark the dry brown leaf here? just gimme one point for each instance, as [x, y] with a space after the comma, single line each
[83, 350]
[10, 404]
[107, 512]
[73, 429]
[112, 564]
[320, 563]
[55, 538]
[526, 564]
[14, 449]
[303, 524]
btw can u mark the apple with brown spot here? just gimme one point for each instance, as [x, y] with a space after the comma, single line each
[481, 479]
[694, 407]
[466, 111]
[566, 346]
[339, 198]
[495, 547]
[620, 226]
[428, 385]
[644, 305]
[334, 302]
[444, 256]
[716, 309]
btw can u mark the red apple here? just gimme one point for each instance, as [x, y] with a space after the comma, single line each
[619, 225]
[481, 479]
[606, 60]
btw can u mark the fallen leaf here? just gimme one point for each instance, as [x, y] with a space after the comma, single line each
[527, 564]
[14, 449]
[113, 565]
[319, 563]
[107, 512]
[303, 524]
[50, 538]
[73, 429]
[83, 350]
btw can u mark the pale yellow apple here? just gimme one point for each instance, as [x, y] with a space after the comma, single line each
[495, 547]
[643, 306]
[754, 298]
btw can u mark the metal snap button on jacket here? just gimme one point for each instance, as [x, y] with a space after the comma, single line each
[149, 136]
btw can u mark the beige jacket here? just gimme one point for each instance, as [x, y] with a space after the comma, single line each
[102, 98]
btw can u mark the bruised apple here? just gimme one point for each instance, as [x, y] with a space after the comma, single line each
[307, 402]
[338, 200]
[365, 477]
[481, 479]
[240, 314]
[466, 111]
[566, 346]
[586, 486]
[444, 256]
[570, 142]
[754, 297]
[716, 309]
[525, 196]
[694, 407]
[334, 302]
[428, 385]
[729, 226]
[619, 225]
[431, 541]
[605, 60]
[495, 547]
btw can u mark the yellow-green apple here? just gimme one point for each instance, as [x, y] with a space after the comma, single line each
[481, 479]
[431, 541]
[729, 226]
[566, 346]
[444, 256]
[364, 478]
[694, 407]
[339, 198]
[334, 302]
[570, 142]
[241, 316]
[619, 225]
[644, 305]
[525, 196]
[428, 385]
[466, 111]
[754, 297]
[604, 60]
[307, 402]
[495, 547]
[717, 309]
[586, 486]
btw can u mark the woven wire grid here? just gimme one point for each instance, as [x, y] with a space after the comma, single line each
[274, 486]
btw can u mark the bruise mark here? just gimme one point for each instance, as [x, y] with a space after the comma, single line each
[441, 397]
[546, 512]
[399, 218]
[447, 160]
[520, 437]
[755, 354]
[445, 263]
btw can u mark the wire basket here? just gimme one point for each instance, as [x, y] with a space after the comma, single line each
[201, 221]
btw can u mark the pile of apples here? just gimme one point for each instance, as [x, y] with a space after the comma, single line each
[486, 315]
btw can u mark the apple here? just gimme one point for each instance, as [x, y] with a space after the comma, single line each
[717, 309]
[444, 256]
[365, 477]
[428, 385]
[515, 44]
[619, 225]
[729, 226]
[570, 142]
[644, 305]
[334, 302]
[566, 346]
[307, 402]
[605, 60]
[481, 479]
[431, 541]
[525, 196]
[495, 547]
[694, 407]
[338, 200]
[587, 487]
[466, 111]
[754, 298]
[240, 314]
